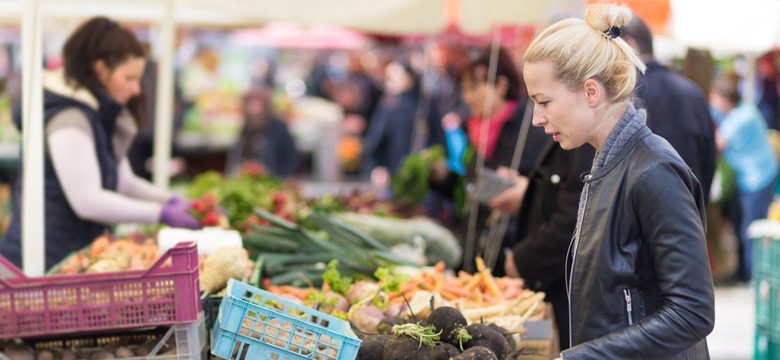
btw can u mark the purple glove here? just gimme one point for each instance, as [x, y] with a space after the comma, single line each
[177, 199]
[176, 213]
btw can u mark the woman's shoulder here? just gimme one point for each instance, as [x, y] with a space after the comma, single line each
[69, 118]
[654, 155]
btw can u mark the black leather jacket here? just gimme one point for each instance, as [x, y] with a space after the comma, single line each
[639, 277]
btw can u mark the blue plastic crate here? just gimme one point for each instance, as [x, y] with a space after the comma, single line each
[255, 324]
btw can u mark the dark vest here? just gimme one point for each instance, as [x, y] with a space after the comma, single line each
[65, 231]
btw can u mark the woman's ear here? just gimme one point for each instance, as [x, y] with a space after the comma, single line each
[594, 92]
[100, 69]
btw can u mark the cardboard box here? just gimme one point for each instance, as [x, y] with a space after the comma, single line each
[540, 342]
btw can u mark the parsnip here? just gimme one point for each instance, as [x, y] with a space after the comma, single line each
[225, 263]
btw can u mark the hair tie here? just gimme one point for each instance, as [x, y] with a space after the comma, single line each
[612, 32]
[109, 24]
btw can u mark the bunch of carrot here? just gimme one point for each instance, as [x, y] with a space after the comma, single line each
[471, 290]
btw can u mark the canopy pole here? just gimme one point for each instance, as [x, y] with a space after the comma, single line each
[471, 204]
[33, 233]
[163, 130]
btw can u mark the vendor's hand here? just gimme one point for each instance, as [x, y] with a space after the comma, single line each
[176, 199]
[510, 269]
[439, 171]
[451, 121]
[176, 213]
[380, 177]
[509, 201]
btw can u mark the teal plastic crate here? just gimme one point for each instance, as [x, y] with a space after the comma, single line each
[767, 308]
[766, 277]
[765, 349]
[255, 324]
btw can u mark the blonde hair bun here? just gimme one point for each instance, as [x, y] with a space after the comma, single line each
[602, 17]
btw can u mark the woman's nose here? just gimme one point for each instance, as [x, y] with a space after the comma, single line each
[538, 119]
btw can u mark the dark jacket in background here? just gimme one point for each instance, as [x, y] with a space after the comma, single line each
[273, 147]
[678, 111]
[390, 132]
[545, 225]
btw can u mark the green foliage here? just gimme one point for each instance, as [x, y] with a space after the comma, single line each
[239, 195]
[410, 182]
[333, 278]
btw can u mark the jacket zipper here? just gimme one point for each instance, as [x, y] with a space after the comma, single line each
[574, 256]
[629, 309]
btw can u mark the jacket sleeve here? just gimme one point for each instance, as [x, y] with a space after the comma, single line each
[540, 257]
[668, 202]
[81, 183]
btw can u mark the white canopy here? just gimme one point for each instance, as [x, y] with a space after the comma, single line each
[746, 26]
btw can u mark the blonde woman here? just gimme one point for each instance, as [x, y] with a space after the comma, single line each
[638, 277]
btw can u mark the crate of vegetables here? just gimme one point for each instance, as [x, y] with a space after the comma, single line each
[255, 324]
[178, 342]
[165, 294]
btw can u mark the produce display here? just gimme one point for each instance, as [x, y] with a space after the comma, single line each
[430, 315]
[352, 256]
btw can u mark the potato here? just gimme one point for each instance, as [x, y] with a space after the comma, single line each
[19, 352]
[123, 353]
[102, 355]
[45, 355]
[67, 354]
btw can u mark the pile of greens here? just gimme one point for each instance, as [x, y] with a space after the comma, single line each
[410, 182]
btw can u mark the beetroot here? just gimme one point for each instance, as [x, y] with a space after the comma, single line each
[477, 353]
[483, 335]
[445, 351]
[405, 348]
[507, 335]
[452, 325]
[386, 325]
[372, 348]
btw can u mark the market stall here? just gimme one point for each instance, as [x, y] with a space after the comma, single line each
[326, 260]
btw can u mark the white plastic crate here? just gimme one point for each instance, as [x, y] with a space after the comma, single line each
[191, 342]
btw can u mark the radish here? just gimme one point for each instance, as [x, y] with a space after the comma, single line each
[452, 325]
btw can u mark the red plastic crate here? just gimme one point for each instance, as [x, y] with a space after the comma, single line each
[50, 305]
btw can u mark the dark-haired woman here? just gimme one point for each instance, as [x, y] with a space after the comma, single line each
[506, 100]
[92, 110]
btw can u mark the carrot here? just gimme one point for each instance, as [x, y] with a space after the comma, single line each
[438, 284]
[447, 295]
[99, 245]
[460, 292]
[472, 283]
[480, 264]
[490, 284]
[439, 267]
[477, 297]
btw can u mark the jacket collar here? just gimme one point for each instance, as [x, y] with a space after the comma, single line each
[630, 128]
[55, 82]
